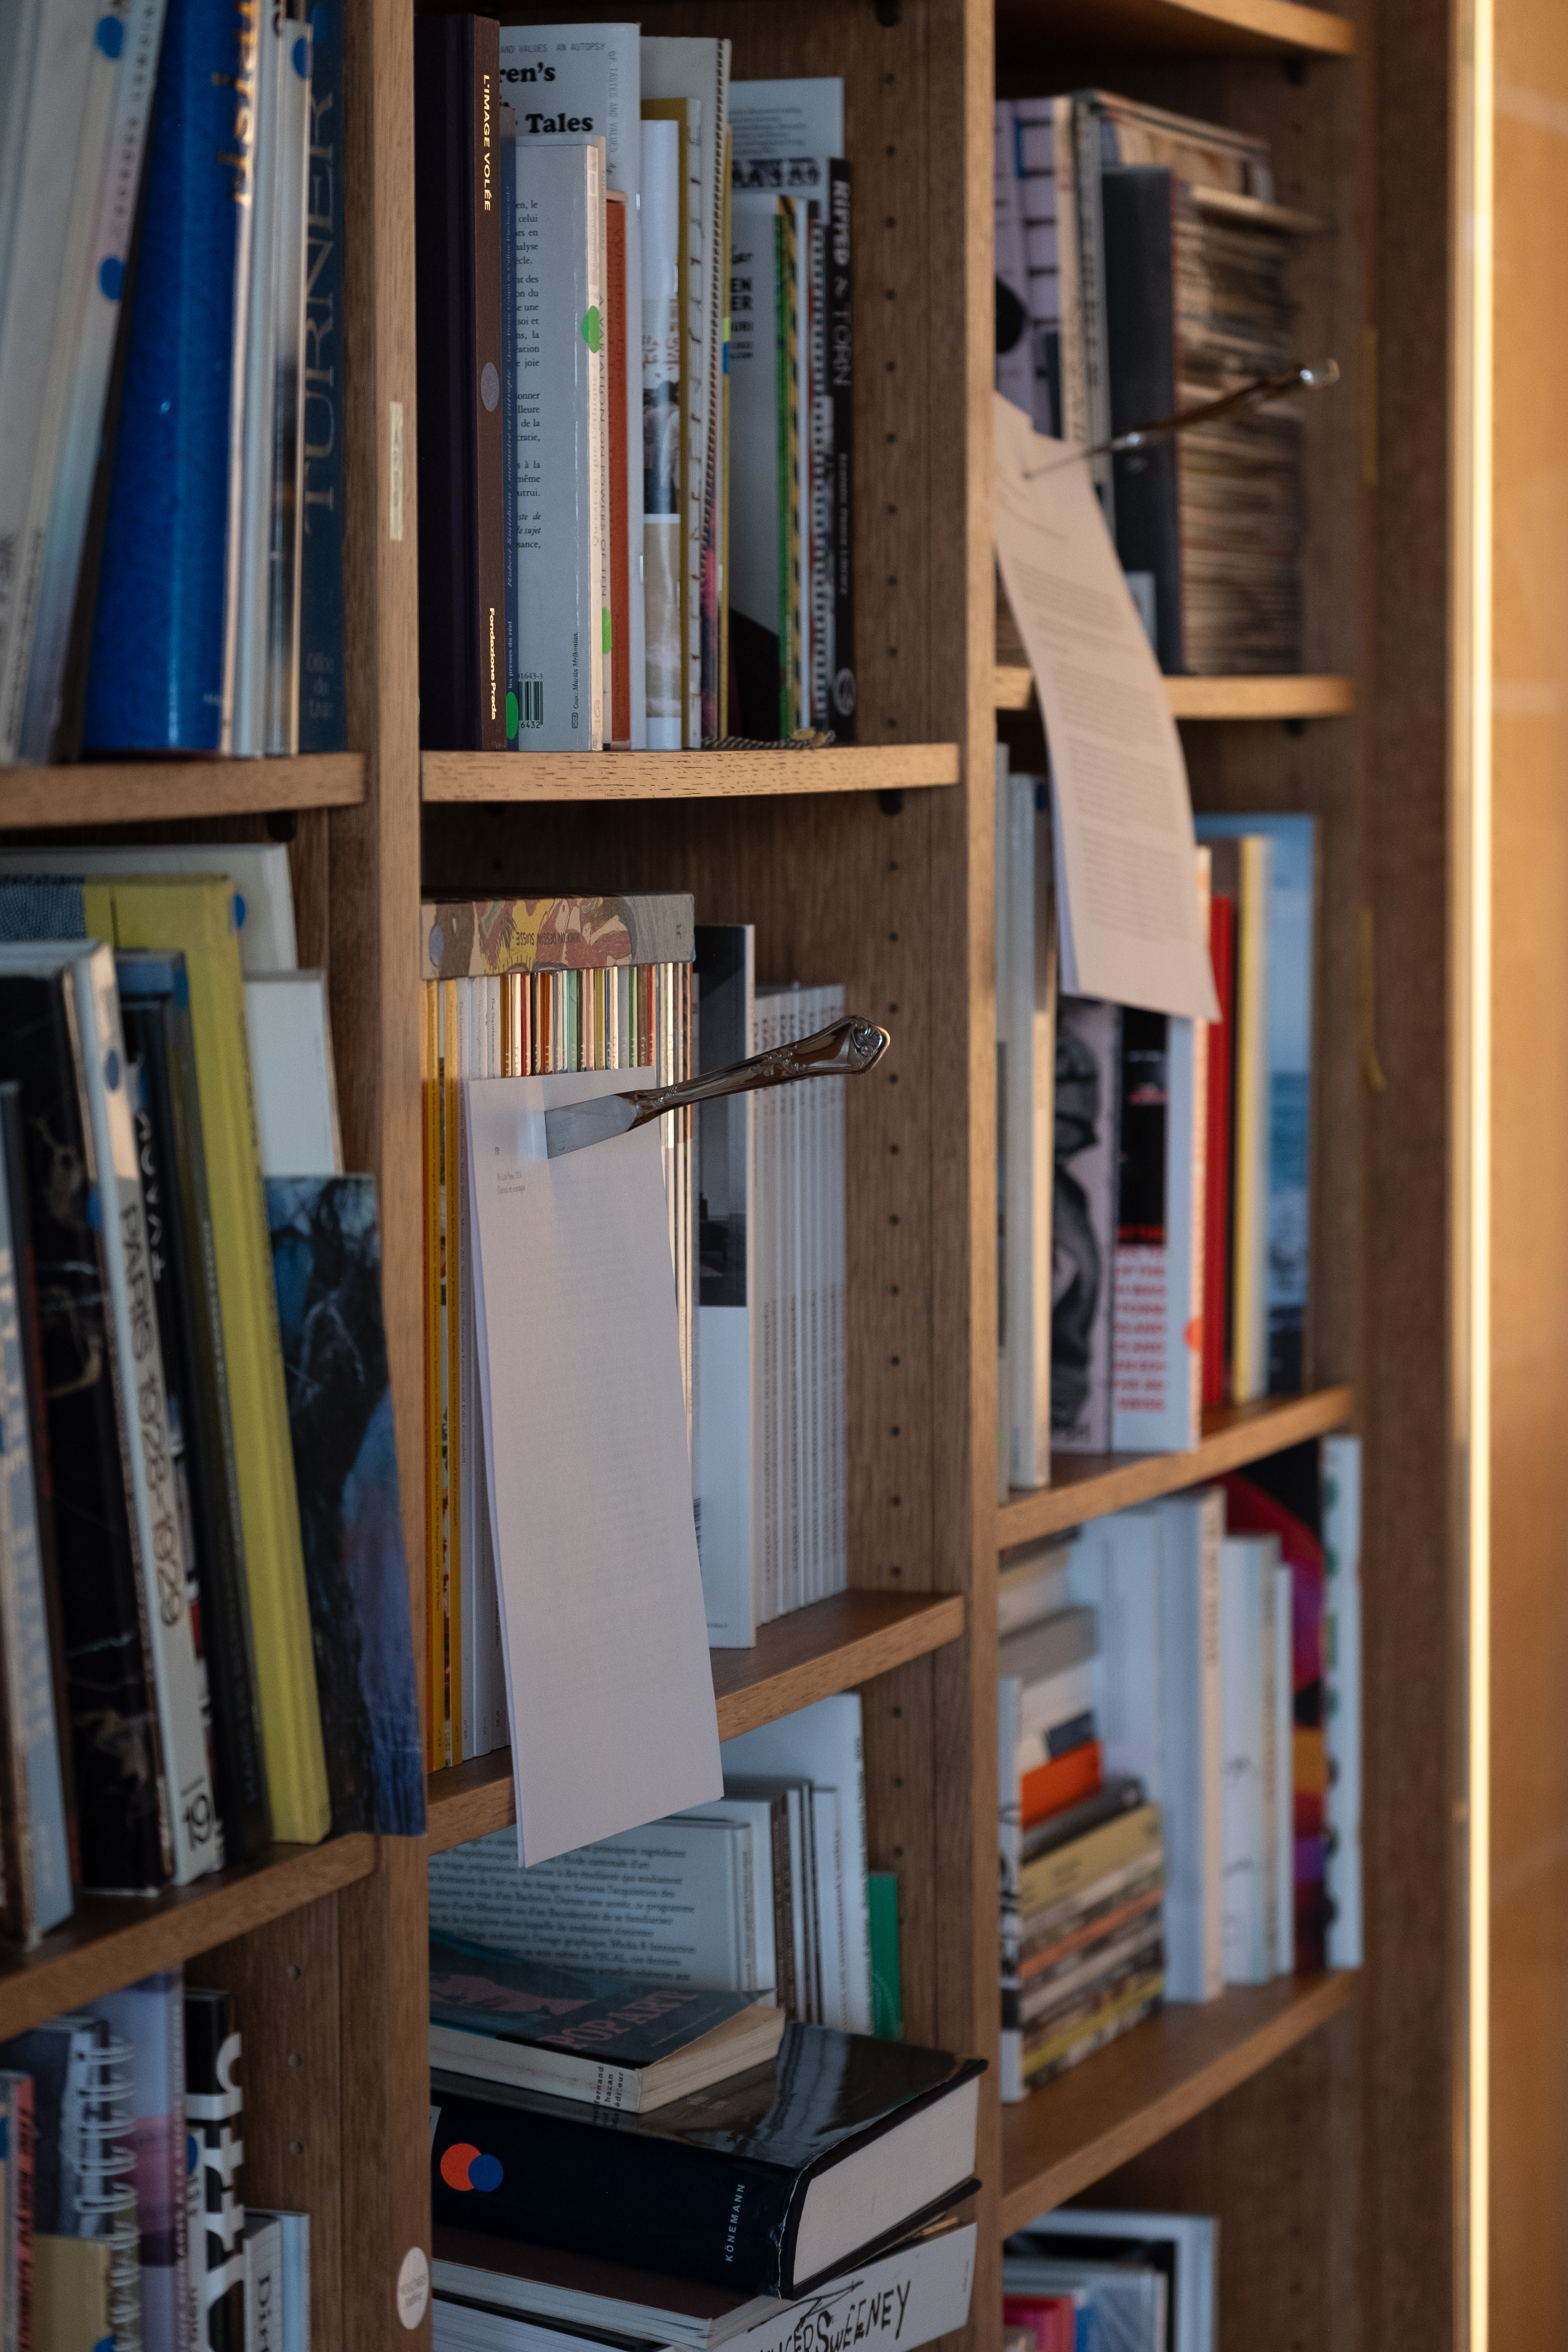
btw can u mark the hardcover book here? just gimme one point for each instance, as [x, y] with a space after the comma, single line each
[466, 937]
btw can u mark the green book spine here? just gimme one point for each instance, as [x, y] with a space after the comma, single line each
[887, 2004]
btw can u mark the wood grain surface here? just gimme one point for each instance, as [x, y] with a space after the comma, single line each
[1063, 2139]
[834, 1645]
[525, 776]
[1088, 1486]
[110, 1941]
[1116, 28]
[1214, 697]
[141, 792]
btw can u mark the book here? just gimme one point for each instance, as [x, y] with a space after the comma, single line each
[561, 445]
[612, 2041]
[1026, 1041]
[1087, 1162]
[37, 1812]
[1343, 1699]
[1181, 2245]
[665, 2186]
[293, 2273]
[149, 2019]
[161, 665]
[506, 182]
[16, 2271]
[1122, 1793]
[1191, 1796]
[263, 2284]
[215, 2104]
[288, 1024]
[73, 2294]
[887, 2002]
[323, 718]
[326, 1260]
[1157, 1328]
[662, 342]
[83, 2160]
[1217, 1154]
[155, 999]
[728, 1484]
[1244, 869]
[772, 1897]
[1246, 1615]
[910, 2295]
[462, 598]
[618, 679]
[170, 1630]
[262, 904]
[1061, 1783]
[1128, 2305]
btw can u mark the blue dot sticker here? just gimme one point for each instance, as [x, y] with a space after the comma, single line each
[112, 1071]
[238, 911]
[301, 56]
[485, 2172]
[111, 278]
[110, 36]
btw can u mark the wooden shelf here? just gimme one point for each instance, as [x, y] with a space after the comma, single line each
[1062, 2138]
[113, 1939]
[834, 1645]
[1108, 28]
[1088, 1486]
[683, 775]
[1217, 698]
[137, 792]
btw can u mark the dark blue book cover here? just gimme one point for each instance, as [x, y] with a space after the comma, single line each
[323, 725]
[611, 2018]
[326, 1261]
[161, 670]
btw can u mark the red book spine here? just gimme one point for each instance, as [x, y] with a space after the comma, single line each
[1216, 1174]
[1066, 1781]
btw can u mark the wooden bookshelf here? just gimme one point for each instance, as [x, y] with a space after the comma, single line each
[113, 1939]
[1175, 28]
[1216, 697]
[834, 1645]
[1088, 1486]
[137, 791]
[527, 776]
[1072, 2132]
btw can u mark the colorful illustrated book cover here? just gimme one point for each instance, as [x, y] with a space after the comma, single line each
[326, 1257]
[465, 938]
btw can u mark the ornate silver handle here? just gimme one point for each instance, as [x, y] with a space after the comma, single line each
[843, 1049]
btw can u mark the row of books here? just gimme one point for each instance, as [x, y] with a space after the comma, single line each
[171, 301]
[764, 1892]
[1143, 2282]
[1155, 1260]
[202, 1596]
[1180, 1754]
[1142, 270]
[596, 211]
[122, 2213]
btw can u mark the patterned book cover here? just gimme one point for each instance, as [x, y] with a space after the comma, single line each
[214, 2108]
[460, 940]
[326, 1255]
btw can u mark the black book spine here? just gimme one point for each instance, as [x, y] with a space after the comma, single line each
[13, 1152]
[214, 2106]
[173, 1179]
[482, 157]
[119, 1765]
[1136, 204]
[567, 2179]
[842, 694]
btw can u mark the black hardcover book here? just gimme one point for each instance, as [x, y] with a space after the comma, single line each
[457, 293]
[110, 1700]
[1137, 205]
[155, 1012]
[215, 2106]
[770, 2181]
[12, 1160]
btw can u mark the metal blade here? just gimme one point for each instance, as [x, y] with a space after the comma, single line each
[572, 1127]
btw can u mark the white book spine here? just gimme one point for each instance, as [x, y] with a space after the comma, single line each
[598, 429]
[1284, 1787]
[828, 1832]
[1192, 1793]
[839, 1336]
[1244, 1657]
[1342, 1698]
[659, 433]
[263, 2285]
[177, 1674]
[695, 386]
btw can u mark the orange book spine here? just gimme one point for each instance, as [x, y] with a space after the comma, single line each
[1065, 1780]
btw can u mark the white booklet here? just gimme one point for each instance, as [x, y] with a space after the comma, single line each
[609, 1686]
[1127, 898]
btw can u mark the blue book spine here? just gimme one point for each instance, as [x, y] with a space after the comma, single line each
[38, 1793]
[161, 671]
[323, 721]
[508, 403]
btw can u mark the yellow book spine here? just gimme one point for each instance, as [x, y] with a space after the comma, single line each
[430, 1153]
[194, 914]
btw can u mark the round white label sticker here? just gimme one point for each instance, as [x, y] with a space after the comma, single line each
[413, 2287]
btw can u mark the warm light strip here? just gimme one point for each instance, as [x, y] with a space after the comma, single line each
[1472, 836]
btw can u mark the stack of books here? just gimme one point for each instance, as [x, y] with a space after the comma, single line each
[1156, 1260]
[1143, 2280]
[196, 1489]
[1143, 264]
[171, 377]
[122, 2213]
[635, 533]
[1179, 1841]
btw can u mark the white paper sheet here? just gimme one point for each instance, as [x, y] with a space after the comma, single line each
[1126, 869]
[609, 1686]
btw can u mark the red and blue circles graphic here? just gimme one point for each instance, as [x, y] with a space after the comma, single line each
[463, 2165]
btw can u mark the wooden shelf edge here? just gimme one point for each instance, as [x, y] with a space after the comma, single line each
[1072, 2133]
[833, 1645]
[683, 775]
[1175, 28]
[1319, 696]
[1088, 1486]
[1282, 25]
[136, 792]
[112, 1940]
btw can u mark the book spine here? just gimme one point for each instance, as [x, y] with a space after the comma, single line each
[286, 470]
[843, 697]
[506, 177]
[20, 2203]
[1249, 1310]
[819, 567]
[695, 387]
[263, 2285]
[661, 377]
[161, 669]
[215, 2104]
[568, 2182]
[198, 1842]
[71, 498]
[596, 424]
[1342, 1698]
[262, 360]
[483, 299]
[617, 343]
[324, 724]
[1216, 1169]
